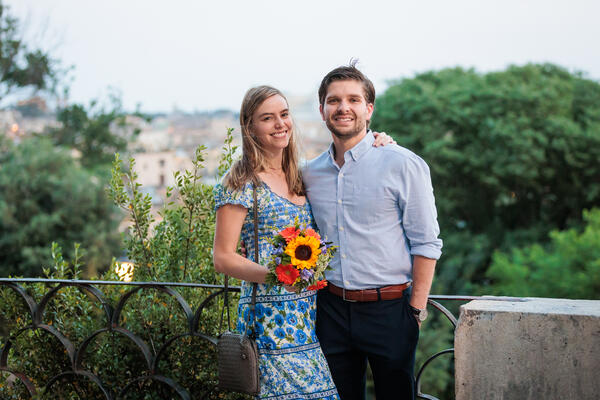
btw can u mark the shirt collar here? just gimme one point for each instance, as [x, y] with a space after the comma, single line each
[359, 149]
[331, 151]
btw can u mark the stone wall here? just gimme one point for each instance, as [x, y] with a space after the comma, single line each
[531, 348]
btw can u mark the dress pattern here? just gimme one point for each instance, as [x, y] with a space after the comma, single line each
[291, 363]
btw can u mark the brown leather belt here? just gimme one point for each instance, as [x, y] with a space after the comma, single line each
[383, 293]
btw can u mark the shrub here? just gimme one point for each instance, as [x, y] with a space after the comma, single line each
[176, 249]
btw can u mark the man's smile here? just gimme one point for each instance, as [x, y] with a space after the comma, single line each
[343, 118]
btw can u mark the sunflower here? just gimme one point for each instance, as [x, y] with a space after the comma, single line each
[303, 251]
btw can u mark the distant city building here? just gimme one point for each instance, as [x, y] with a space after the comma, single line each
[157, 169]
[33, 107]
[167, 143]
[314, 136]
[26, 118]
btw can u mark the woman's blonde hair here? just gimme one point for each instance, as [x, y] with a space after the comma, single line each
[253, 158]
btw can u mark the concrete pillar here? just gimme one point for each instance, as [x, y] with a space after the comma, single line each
[529, 348]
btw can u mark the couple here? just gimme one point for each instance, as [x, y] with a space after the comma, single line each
[375, 203]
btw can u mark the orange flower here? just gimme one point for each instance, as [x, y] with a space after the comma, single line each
[289, 233]
[287, 274]
[318, 286]
[311, 232]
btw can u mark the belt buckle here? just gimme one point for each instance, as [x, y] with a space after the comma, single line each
[344, 297]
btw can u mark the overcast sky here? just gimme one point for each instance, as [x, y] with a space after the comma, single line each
[204, 54]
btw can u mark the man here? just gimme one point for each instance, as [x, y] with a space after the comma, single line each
[376, 204]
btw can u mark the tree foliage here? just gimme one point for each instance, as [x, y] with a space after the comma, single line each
[513, 155]
[568, 267]
[96, 132]
[20, 66]
[46, 196]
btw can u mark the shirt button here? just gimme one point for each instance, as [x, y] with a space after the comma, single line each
[343, 255]
[341, 174]
[347, 283]
[341, 228]
[340, 201]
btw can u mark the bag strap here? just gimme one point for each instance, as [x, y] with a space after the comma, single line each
[254, 285]
[225, 305]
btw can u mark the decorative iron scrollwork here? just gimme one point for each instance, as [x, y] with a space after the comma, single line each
[112, 325]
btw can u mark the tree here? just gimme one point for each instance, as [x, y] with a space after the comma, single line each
[20, 66]
[45, 197]
[96, 133]
[513, 155]
[568, 267]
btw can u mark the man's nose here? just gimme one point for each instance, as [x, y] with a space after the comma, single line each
[343, 106]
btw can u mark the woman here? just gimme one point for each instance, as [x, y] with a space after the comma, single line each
[291, 361]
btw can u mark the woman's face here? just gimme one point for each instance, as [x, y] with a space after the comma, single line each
[272, 124]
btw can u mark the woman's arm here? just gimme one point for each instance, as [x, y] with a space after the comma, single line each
[230, 219]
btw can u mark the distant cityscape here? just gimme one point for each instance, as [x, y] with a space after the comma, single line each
[167, 143]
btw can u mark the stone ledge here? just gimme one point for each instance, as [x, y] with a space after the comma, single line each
[530, 348]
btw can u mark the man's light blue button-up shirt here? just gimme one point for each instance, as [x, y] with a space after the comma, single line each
[378, 208]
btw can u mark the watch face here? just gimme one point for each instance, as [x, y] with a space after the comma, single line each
[421, 315]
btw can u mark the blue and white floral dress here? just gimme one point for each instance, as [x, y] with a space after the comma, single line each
[292, 365]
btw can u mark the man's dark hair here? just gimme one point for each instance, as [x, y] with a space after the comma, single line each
[345, 73]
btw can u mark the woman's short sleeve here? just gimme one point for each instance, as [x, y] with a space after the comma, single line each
[224, 196]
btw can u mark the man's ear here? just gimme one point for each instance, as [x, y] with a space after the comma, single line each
[321, 111]
[370, 109]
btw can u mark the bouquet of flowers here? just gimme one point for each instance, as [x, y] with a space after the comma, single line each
[299, 259]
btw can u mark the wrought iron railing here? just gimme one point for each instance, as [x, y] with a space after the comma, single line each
[112, 324]
[434, 301]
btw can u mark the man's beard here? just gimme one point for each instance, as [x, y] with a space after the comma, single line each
[359, 127]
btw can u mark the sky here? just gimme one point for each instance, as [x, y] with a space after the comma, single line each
[204, 54]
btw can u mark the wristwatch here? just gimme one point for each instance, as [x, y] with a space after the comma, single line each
[420, 314]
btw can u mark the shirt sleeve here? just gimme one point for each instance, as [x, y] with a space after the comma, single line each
[224, 196]
[419, 215]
